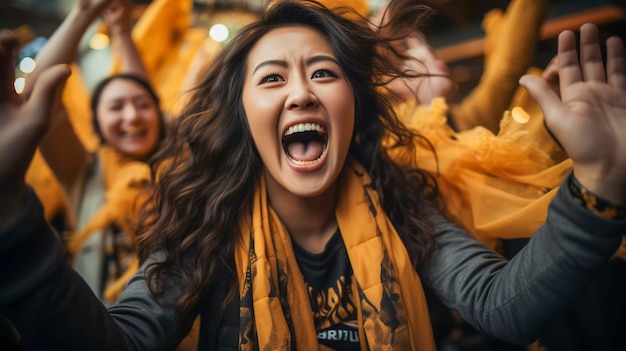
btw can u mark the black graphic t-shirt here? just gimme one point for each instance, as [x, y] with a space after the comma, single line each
[329, 277]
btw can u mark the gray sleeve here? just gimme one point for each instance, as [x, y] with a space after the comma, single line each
[53, 309]
[518, 300]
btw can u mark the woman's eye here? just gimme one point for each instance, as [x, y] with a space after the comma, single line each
[321, 73]
[144, 105]
[271, 78]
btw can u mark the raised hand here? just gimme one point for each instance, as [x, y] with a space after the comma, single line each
[62, 46]
[118, 17]
[92, 6]
[589, 117]
[22, 124]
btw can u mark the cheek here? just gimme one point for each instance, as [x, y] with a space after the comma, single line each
[261, 106]
[106, 125]
[348, 130]
[261, 111]
[153, 120]
[345, 108]
[261, 130]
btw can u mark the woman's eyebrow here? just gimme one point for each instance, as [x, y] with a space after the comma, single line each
[269, 63]
[320, 58]
[309, 61]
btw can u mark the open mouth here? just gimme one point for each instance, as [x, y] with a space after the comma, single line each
[305, 143]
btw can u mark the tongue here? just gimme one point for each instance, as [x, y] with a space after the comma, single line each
[305, 151]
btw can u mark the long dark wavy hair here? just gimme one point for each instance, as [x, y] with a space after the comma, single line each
[207, 172]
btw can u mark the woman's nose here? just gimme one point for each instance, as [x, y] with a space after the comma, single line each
[301, 95]
[130, 113]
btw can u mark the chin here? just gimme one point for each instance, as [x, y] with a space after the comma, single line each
[137, 154]
[310, 188]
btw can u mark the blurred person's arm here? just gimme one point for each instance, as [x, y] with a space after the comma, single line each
[118, 17]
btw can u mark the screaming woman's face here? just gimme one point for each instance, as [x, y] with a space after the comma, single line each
[300, 109]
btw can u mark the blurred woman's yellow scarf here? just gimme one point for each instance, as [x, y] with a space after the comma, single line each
[275, 309]
[125, 181]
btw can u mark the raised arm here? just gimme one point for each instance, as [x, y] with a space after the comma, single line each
[519, 300]
[62, 46]
[22, 124]
[33, 271]
[118, 17]
[61, 147]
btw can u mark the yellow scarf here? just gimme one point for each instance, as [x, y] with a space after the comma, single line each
[125, 181]
[272, 289]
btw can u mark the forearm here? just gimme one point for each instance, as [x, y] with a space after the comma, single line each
[608, 184]
[519, 300]
[130, 58]
[62, 46]
[44, 299]
[119, 21]
[63, 151]
[53, 308]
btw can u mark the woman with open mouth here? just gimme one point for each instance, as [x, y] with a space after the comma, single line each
[280, 217]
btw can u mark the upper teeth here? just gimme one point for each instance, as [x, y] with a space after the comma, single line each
[133, 133]
[304, 127]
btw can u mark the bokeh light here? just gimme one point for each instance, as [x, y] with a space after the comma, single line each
[27, 65]
[218, 32]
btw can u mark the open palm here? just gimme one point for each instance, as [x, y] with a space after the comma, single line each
[589, 116]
